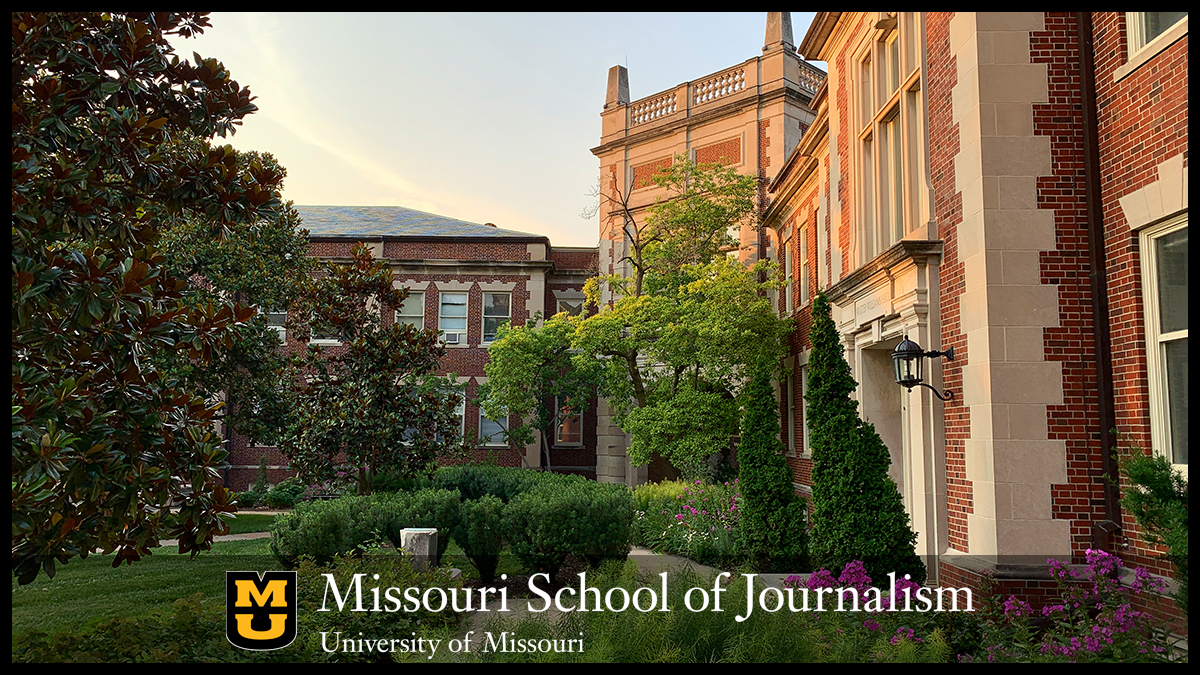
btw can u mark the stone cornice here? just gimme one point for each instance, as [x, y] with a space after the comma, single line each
[905, 249]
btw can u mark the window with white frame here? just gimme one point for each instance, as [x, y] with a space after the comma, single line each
[888, 121]
[1164, 254]
[1143, 27]
[497, 310]
[452, 320]
[491, 432]
[412, 311]
[276, 321]
[568, 424]
[324, 335]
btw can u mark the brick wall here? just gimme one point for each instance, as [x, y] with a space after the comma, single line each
[726, 152]
[1143, 120]
[947, 207]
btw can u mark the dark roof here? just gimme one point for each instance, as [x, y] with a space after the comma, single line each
[372, 222]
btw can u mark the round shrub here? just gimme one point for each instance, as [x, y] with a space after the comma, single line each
[285, 494]
[570, 516]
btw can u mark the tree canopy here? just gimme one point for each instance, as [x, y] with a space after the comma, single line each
[373, 401]
[110, 147]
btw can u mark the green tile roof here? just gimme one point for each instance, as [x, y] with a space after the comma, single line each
[394, 221]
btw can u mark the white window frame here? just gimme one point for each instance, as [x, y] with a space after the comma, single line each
[558, 421]
[1139, 50]
[417, 300]
[281, 327]
[484, 316]
[443, 296]
[1156, 340]
[327, 342]
[887, 194]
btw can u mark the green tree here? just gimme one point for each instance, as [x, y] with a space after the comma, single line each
[772, 525]
[529, 368]
[858, 513]
[104, 157]
[673, 352]
[374, 401]
[261, 264]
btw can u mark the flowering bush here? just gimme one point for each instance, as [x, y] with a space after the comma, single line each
[1092, 620]
[694, 520]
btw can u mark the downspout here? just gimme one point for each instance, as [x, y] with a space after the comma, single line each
[1105, 533]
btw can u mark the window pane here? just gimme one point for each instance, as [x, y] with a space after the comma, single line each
[491, 326]
[454, 304]
[1172, 252]
[1157, 23]
[496, 304]
[412, 310]
[454, 324]
[491, 432]
[568, 426]
[1177, 395]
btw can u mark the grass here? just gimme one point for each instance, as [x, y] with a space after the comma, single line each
[250, 522]
[88, 590]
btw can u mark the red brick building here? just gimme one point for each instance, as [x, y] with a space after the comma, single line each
[465, 280]
[963, 175]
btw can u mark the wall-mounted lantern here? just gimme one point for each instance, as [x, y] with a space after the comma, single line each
[907, 361]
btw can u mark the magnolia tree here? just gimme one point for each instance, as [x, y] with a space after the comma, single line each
[373, 401]
[110, 146]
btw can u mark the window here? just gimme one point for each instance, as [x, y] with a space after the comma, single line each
[453, 319]
[805, 448]
[789, 408]
[1164, 253]
[324, 336]
[491, 432]
[496, 313]
[787, 278]
[276, 318]
[568, 424]
[888, 92]
[803, 248]
[571, 307]
[460, 412]
[1143, 27]
[412, 311]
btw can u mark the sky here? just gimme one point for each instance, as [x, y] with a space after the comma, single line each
[481, 117]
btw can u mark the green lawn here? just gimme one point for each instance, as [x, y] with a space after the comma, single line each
[250, 522]
[85, 590]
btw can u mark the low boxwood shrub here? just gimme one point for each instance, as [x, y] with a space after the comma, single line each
[322, 530]
[475, 481]
[348, 525]
[423, 508]
[286, 494]
[248, 499]
[569, 516]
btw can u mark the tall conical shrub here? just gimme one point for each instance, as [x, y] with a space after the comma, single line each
[858, 513]
[772, 524]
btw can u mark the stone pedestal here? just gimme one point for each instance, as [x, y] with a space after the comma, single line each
[421, 543]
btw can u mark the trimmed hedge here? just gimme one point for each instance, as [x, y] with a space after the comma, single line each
[590, 520]
[347, 525]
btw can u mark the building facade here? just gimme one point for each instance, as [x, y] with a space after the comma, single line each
[749, 116]
[465, 280]
[963, 175]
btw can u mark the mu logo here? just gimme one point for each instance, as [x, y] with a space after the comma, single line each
[260, 613]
